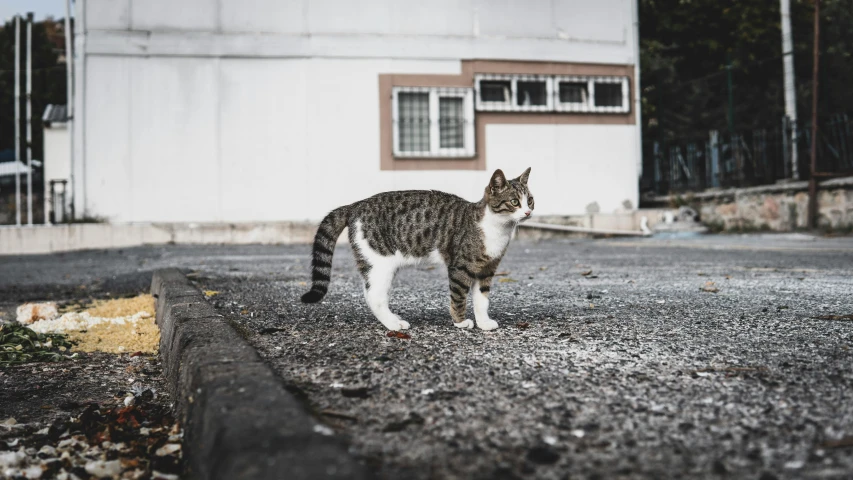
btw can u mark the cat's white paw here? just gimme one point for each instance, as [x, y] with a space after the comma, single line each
[487, 325]
[396, 324]
[465, 324]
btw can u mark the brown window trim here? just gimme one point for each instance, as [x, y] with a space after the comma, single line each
[466, 79]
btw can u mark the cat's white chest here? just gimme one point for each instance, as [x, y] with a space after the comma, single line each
[496, 234]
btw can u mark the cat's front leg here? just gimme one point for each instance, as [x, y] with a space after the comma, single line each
[481, 304]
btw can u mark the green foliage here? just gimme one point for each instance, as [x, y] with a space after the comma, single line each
[686, 45]
[19, 344]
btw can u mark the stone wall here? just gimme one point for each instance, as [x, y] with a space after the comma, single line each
[780, 207]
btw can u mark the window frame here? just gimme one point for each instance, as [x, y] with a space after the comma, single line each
[436, 151]
[512, 105]
[590, 106]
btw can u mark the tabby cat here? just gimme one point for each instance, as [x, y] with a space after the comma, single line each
[394, 229]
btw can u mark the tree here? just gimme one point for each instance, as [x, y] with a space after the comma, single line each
[48, 84]
[686, 46]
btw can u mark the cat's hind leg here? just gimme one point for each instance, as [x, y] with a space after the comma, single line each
[377, 286]
[460, 284]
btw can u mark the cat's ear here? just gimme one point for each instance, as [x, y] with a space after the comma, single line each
[524, 176]
[498, 181]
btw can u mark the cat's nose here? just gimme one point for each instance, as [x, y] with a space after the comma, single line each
[527, 213]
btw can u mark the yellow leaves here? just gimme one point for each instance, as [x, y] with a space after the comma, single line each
[210, 293]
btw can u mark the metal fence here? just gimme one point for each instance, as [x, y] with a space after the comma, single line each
[750, 158]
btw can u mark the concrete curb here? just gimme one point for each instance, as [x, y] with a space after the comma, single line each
[239, 421]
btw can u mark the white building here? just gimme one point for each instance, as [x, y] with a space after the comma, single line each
[269, 110]
[57, 165]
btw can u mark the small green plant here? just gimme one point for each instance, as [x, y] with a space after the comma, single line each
[20, 344]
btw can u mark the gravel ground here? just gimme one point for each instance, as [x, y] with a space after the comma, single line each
[638, 369]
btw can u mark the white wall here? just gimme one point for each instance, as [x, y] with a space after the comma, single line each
[183, 122]
[57, 160]
[57, 157]
[597, 31]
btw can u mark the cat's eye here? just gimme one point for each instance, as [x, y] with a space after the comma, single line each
[529, 200]
[514, 203]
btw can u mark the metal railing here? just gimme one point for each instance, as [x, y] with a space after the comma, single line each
[750, 158]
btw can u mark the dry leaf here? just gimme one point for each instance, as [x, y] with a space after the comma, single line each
[502, 274]
[522, 325]
[210, 293]
[834, 317]
[507, 280]
[710, 288]
[401, 335]
[586, 272]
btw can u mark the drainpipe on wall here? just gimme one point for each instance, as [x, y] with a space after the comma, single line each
[78, 189]
[69, 100]
[29, 95]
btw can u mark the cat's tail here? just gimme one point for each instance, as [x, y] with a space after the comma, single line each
[324, 247]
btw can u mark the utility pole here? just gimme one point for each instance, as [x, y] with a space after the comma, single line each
[17, 119]
[790, 90]
[29, 118]
[69, 85]
[815, 84]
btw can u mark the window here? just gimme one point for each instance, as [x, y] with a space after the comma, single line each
[433, 122]
[608, 94]
[498, 91]
[513, 93]
[573, 92]
[591, 94]
[532, 93]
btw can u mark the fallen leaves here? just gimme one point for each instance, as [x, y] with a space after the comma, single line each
[413, 419]
[356, 392]
[834, 317]
[844, 442]
[502, 274]
[710, 287]
[522, 325]
[586, 273]
[507, 280]
[400, 335]
[270, 330]
[210, 293]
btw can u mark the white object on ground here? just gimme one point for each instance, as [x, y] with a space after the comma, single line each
[101, 468]
[33, 312]
[75, 321]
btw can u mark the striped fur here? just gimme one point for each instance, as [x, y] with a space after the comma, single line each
[324, 248]
[394, 229]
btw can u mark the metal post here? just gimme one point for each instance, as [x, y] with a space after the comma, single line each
[69, 85]
[17, 119]
[813, 177]
[29, 118]
[790, 91]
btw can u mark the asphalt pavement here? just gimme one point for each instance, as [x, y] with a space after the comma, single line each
[706, 357]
